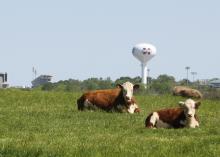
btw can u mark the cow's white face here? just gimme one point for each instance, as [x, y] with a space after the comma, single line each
[189, 107]
[127, 89]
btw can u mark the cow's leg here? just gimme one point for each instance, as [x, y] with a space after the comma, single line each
[152, 120]
[80, 104]
[120, 108]
[133, 108]
[89, 105]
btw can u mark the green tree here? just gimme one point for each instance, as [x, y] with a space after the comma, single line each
[47, 87]
[163, 84]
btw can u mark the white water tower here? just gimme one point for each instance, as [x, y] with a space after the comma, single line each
[144, 52]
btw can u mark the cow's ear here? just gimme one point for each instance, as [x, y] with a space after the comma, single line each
[181, 103]
[197, 104]
[136, 86]
[119, 86]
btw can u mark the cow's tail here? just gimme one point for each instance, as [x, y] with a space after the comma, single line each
[80, 103]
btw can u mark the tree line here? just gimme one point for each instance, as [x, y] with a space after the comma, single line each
[163, 84]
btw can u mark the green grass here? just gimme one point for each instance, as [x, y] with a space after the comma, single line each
[35, 123]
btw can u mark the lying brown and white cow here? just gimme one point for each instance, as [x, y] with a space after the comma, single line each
[117, 99]
[186, 92]
[183, 116]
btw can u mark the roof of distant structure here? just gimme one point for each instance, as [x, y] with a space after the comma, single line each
[215, 81]
[45, 76]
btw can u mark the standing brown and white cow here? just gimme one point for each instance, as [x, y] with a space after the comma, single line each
[111, 99]
[183, 116]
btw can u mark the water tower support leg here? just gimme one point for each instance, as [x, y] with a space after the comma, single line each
[144, 73]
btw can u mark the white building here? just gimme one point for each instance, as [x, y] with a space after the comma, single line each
[40, 80]
[3, 80]
[214, 83]
[203, 82]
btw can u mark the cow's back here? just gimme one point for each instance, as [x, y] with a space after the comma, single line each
[105, 99]
[171, 117]
[178, 89]
[171, 114]
[187, 92]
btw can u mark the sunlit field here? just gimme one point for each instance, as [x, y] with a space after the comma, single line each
[36, 123]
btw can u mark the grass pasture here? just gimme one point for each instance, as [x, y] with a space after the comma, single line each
[35, 124]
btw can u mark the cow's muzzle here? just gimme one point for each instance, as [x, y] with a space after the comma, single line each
[189, 115]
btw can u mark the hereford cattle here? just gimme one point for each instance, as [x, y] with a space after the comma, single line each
[183, 116]
[186, 92]
[118, 99]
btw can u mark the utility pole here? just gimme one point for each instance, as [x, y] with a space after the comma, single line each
[34, 71]
[193, 74]
[187, 75]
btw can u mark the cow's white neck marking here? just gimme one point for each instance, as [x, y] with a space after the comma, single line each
[192, 122]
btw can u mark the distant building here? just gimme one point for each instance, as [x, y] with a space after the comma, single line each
[214, 83]
[203, 82]
[3, 80]
[42, 79]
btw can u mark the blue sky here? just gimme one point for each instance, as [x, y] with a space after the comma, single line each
[83, 39]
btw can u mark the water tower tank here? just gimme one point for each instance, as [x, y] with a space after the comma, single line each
[144, 52]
